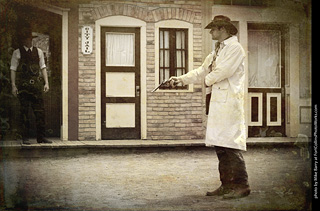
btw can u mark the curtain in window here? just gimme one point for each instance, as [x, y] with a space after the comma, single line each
[119, 49]
[180, 51]
[264, 59]
[173, 53]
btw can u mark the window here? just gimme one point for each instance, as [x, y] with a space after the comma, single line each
[264, 58]
[173, 54]
[119, 49]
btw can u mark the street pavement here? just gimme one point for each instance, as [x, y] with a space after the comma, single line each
[150, 179]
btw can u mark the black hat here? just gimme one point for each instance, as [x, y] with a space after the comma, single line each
[25, 32]
[222, 21]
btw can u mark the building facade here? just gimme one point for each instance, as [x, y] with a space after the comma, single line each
[114, 53]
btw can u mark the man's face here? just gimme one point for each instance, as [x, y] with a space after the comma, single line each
[216, 33]
[27, 42]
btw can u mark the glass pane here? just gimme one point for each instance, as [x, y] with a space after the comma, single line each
[183, 40]
[178, 40]
[183, 59]
[264, 59]
[161, 75]
[167, 59]
[161, 39]
[119, 49]
[164, 74]
[167, 74]
[179, 57]
[161, 58]
[166, 39]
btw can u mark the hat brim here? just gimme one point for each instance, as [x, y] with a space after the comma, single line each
[232, 29]
[27, 36]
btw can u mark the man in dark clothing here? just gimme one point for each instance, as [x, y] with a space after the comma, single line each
[28, 84]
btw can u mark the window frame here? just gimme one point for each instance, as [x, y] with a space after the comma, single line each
[172, 49]
[173, 24]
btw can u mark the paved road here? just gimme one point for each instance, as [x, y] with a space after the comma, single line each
[151, 179]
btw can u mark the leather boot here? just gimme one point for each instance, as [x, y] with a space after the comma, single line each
[220, 191]
[238, 192]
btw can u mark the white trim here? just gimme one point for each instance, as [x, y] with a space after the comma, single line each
[65, 73]
[122, 21]
[278, 122]
[176, 24]
[260, 105]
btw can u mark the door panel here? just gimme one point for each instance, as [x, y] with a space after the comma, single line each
[120, 115]
[120, 83]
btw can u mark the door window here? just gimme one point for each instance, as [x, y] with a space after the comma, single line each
[119, 49]
[264, 59]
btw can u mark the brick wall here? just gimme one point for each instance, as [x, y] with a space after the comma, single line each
[176, 115]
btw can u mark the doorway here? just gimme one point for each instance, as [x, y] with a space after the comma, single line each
[266, 79]
[46, 26]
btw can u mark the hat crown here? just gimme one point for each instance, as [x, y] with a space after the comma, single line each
[24, 33]
[221, 18]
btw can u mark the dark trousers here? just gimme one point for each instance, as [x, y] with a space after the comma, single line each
[31, 96]
[232, 167]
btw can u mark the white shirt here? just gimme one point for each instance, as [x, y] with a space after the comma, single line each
[228, 60]
[16, 56]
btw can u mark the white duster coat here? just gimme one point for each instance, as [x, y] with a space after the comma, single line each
[226, 120]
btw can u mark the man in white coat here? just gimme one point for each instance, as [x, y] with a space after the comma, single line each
[223, 74]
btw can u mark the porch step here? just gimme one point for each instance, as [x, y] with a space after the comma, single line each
[57, 143]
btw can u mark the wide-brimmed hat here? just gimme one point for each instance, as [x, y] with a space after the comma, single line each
[25, 33]
[222, 21]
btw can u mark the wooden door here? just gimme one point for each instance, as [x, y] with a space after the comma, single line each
[266, 51]
[120, 83]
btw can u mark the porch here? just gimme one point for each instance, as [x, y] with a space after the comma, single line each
[57, 143]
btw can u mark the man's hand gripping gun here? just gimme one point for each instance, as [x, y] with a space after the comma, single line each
[165, 84]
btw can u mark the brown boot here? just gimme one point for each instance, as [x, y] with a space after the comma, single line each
[238, 192]
[220, 191]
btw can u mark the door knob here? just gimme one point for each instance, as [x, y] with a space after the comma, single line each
[137, 91]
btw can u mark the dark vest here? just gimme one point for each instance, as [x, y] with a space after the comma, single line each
[28, 65]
